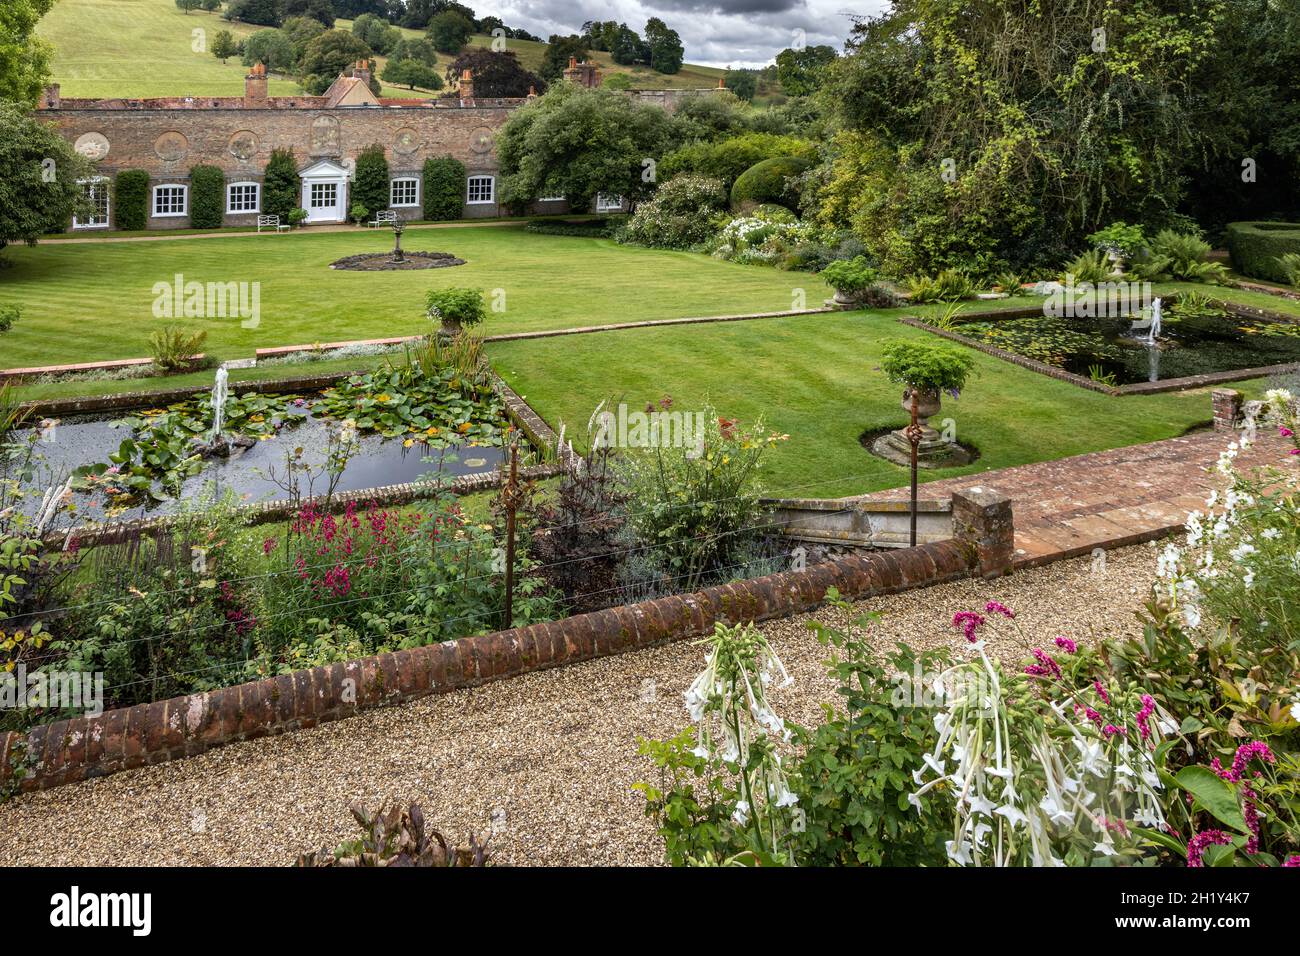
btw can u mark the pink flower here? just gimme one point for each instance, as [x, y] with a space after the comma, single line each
[1197, 844]
[1285, 432]
[1294, 451]
[967, 622]
[1092, 715]
[268, 545]
[1110, 730]
[1292, 861]
[993, 607]
[1067, 645]
[1101, 691]
[1144, 715]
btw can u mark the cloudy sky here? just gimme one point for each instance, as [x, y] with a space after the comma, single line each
[715, 32]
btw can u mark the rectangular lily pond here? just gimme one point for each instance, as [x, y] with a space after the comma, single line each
[1188, 342]
[369, 431]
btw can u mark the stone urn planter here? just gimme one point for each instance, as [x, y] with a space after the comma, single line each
[934, 451]
[924, 370]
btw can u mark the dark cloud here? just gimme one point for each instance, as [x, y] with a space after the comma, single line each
[715, 32]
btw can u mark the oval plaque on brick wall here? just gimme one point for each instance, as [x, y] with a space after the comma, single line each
[406, 141]
[93, 146]
[481, 139]
[171, 146]
[243, 145]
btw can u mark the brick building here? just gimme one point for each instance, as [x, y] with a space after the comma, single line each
[167, 137]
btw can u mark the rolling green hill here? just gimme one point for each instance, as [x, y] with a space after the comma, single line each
[137, 48]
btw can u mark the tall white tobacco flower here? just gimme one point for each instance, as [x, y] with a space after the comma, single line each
[736, 725]
[1038, 773]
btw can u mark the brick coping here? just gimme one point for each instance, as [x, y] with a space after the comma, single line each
[84, 747]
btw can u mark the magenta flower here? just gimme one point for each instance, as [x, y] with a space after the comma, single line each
[1067, 645]
[1197, 844]
[968, 622]
[1144, 716]
[1101, 691]
[1292, 861]
[1285, 432]
[994, 607]
[1110, 730]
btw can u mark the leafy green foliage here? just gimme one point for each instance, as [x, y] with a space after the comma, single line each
[9, 314]
[950, 285]
[927, 366]
[680, 215]
[855, 775]
[801, 72]
[39, 173]
[437, 409]
[1121, 238]
[1258, 248]
[412, 74]
[727, 159]
[449, 31]
[131, 199]
[850, 277]
[444, 188]
[281, 187]
[328, 56]
[370, 188]
[174, 347]
[456, 306]
[769, 181]
[207, 197]
[576, 143]
[495, 74]
[24, 56]
[1092, 267]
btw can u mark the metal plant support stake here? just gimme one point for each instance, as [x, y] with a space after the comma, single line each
[511, 505]
[914, 435]
[398, 228]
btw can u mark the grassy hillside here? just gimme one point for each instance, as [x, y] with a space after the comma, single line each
[136, 48]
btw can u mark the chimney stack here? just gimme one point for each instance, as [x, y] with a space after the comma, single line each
[50, 98]
[255, 95]
[466, 85]
[362, 71]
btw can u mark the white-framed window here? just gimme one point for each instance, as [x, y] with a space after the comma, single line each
[171, 200]
[481, 189]
[324, 195]
[606, 203]
[243, 198]
[404, 192]
[97, 192]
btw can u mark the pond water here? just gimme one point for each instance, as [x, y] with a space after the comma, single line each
[1193, 343]
[252, 473]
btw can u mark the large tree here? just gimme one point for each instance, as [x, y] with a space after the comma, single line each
[559, 50]
[329, 55]
[40, 177]
[24, 57]
[980, 133]
[450, 30]
[666, 50]
[801, 71]
[495, 74]
[577, 142]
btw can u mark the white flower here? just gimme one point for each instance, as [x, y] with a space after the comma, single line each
[1295, 709]
[959, 853]
[1248, 579]
[1242, 551]
[786, 799]
[1055, 810]
[741, 813]
[1104, 848]
[1191, 615]
[980, 804]
[1271, 533]
[1013, 814]
[701, 751]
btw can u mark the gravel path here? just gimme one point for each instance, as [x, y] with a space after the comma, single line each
[549, 758]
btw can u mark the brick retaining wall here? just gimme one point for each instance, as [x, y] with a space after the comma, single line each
[85, 747]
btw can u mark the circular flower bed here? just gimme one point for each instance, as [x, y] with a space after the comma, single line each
[384, 261]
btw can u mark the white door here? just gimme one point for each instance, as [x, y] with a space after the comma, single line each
[323, 200]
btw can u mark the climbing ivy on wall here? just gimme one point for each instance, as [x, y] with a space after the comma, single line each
[444, 188]
[207, 197]
[131, 199]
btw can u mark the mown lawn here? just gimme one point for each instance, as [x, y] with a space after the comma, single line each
[84, 302]
[816, 378]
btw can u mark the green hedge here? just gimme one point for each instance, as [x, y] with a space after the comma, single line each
[207, 197]
[765, 182]
[131, 199]
[371, 185]
[1256, 247]
[444, 188]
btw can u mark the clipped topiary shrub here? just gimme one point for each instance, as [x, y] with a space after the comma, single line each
[767, 182]
[207, 197]
[444, 188]
[372, 180]
[281, 186]
[131, 199]
[1258, 247]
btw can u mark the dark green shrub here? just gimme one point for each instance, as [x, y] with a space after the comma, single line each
[9, 314]
[456, 307]
[927, 366]
[588, 228]
[727, 159]
[281, 186]
[372, 182]
[444, 188]
[1256, 247]
[131, 199]
[207, 197]
[767, 182]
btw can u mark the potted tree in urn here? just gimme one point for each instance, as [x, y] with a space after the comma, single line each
[851, 279]
[454, 308]
[925, 370]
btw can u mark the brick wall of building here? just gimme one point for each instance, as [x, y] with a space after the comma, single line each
[168, 138]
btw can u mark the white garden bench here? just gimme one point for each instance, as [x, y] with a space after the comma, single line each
[385, 217]
[272, 222]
